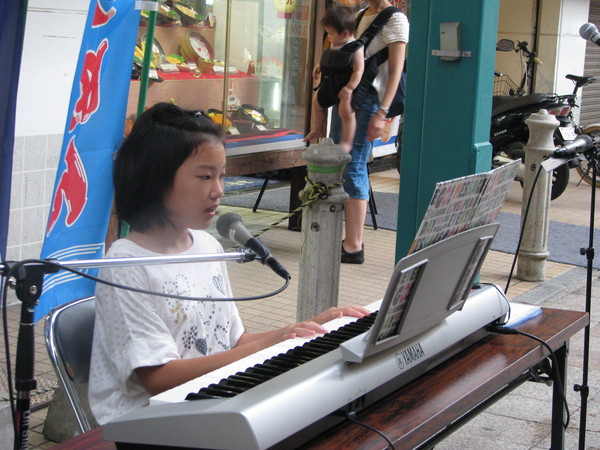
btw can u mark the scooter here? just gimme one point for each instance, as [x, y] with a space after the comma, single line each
[509, 132]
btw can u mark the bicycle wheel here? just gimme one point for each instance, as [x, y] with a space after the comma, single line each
[584, 169]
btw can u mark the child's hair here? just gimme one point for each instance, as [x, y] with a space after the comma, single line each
[161, 139]
[340, 18]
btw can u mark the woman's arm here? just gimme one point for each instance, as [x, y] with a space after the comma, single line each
[396, 54]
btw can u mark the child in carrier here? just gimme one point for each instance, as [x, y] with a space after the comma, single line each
[341, 68]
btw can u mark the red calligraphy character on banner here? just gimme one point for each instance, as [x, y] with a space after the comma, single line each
[89, 84]
[101, 16]
[71, 190]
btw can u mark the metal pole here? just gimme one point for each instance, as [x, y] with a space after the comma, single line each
[147, 57]
[144, 81]
[589, 252]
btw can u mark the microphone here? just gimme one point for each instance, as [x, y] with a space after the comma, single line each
[230, 226]
[589, 32]
[574, 148]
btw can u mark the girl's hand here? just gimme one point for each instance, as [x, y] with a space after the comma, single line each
[337, 312]
[307, 328]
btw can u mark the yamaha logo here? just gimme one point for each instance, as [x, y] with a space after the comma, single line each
[399, 361]
[409, 355]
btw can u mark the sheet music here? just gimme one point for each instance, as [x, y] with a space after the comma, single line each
[463, 204]
[178, 394]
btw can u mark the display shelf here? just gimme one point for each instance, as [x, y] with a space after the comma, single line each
[170, 37]
[243, 34]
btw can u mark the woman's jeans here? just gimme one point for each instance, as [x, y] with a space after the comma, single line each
[356, 176]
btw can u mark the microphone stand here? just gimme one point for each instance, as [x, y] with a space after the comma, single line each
[583, 388]
[27, 279]
[592, 152]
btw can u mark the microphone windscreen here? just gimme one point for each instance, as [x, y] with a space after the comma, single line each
[588, 30]
[225, 222]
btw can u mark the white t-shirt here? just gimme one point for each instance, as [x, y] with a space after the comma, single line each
[395, 30]
[137, 330]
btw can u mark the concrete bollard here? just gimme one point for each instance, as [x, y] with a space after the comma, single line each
[531, 264]
[322, 227]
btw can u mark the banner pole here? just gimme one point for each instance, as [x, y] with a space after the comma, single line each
[144, 80]
[147, 58]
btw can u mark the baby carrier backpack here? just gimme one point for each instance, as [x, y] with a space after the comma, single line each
[373, 62]
[336, 70]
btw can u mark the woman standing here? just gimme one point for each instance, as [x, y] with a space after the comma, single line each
[371, 122]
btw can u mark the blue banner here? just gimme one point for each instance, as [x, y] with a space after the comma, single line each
[12, 26]
[82, 200]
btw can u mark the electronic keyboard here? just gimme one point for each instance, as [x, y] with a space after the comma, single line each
[290, 397]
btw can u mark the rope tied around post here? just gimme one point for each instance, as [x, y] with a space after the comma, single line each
[310, 194]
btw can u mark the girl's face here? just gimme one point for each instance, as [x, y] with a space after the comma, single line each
[197, 188]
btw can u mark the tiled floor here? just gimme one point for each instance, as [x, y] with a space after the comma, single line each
[358, 284]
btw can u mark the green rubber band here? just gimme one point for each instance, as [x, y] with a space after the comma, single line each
[321, 169]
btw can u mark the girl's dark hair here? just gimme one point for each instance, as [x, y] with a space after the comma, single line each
[340, 18]
[161, 139]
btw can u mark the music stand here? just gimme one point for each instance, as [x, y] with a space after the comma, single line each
[426, 287]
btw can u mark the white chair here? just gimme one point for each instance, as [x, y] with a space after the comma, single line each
[68, 331]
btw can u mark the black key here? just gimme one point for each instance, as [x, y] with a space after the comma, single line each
[290, 363]
[200, 395]
[219, 391]
[231, 385]
[254, 376]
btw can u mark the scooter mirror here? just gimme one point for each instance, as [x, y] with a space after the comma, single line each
[505, 45]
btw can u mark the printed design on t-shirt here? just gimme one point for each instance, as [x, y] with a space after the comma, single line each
[180, 285]
[218, 282]
[216, 327]
[201, 346]
[222, 330]
[189, 338]
[206, 311]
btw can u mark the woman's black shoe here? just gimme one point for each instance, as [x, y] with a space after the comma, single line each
[353, 258]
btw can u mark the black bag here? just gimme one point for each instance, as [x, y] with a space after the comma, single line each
[373, 62]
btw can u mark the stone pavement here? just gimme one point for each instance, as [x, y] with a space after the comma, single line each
[520, 421]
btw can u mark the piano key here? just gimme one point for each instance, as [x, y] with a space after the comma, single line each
[283, 362]
[243, 382]
[253, 377]
[233, 385]
[218, 391]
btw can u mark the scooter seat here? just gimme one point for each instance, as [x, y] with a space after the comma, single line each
[502, 104]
